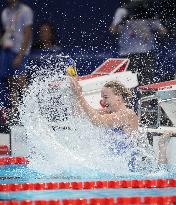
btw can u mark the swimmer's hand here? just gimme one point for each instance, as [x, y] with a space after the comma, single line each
[75, 86]
[164, 138]
[162, 144]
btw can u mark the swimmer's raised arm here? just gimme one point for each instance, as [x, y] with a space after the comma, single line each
[124, 118]
[102, 111]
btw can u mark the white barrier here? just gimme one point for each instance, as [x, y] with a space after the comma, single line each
[165, 93]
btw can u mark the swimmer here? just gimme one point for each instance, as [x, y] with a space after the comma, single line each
[117, 112]
[121, 122]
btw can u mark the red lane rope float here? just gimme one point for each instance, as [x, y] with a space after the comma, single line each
[154, 183]
[147, 200]
[4, 150]
[13, 160]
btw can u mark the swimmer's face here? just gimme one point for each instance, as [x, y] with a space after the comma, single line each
[111, 100]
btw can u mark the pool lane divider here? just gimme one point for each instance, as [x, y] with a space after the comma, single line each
[147, 200]
[152, 183]
[13, 160]
[4, 150]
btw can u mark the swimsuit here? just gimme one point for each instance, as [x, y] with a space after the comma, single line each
[121, 144]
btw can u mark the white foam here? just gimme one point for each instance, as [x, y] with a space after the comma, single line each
[67, 143]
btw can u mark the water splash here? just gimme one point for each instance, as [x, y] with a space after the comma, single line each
[62, 141]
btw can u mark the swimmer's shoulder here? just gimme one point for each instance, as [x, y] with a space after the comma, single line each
[132, 119]
[129, 120]
[130, 114]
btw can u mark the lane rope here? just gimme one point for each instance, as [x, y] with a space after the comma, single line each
[13, 160]
[147, 200]
[4, 150]
[152, 183]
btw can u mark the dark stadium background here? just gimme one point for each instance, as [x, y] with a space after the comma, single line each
[84, 24]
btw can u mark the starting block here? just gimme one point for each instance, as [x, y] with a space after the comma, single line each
[157, 112]
[159, 99]
[112, 65]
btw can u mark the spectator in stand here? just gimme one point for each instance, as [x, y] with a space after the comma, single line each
[136, 38]
[44, 47]
[46, 37]
[17, 21]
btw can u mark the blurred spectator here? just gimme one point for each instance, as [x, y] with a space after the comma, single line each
[44, 47]
[46, 37]
[136, 29]
[17, 20]
[166, 11]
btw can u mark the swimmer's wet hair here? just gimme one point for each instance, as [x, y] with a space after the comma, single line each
[119, 89]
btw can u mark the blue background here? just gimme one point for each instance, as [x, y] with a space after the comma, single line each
[86, 22]
[78, 22]
[83, 29]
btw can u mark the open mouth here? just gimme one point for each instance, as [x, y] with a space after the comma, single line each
[106, 105]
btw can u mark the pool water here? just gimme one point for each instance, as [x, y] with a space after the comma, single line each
[14, 174]
[75, 194]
